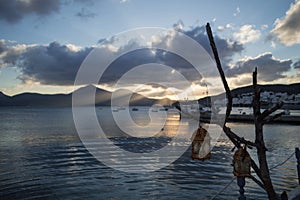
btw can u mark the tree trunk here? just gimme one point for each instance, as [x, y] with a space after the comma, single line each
[259, 140]
[263, 164]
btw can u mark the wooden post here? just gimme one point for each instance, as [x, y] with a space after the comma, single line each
[298, 163]
[241, 183]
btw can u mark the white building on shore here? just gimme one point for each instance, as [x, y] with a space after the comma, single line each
[265, 97]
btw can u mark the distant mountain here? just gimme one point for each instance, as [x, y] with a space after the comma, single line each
[102, 98]
[5, 99]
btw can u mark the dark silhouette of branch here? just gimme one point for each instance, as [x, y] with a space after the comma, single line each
[256, 169]
[237, 139]
[269, 111]
[259, 140]
[218, 62]
[257, 182]
[272, 117]
[260, 119]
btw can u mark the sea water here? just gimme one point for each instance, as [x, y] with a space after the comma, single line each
[42, 157]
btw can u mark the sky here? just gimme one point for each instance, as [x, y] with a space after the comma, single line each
[44, 42]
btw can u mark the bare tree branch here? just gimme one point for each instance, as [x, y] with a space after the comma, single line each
[256, 169]
[260, 144]
[262, 170]
[236, 138]
[218, 62]
[256, 97]
[257, 182]
[269, 111]
[272, 117]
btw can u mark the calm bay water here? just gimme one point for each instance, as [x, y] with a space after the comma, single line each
[41, 156]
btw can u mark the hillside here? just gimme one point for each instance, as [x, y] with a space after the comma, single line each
[289, 89]
[102, 98]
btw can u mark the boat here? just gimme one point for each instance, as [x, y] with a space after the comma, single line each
[163, 109]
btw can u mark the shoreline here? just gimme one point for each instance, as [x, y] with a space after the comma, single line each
[285, 119]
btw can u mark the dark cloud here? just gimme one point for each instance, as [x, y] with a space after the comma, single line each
[297, 64]
[226, 48]
[126, 62]
[14, 10]
[58, 64]
[269, 68]
[101, 40]
[143, 56]
[54, 64]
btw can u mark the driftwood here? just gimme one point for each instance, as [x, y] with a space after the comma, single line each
[262, 169]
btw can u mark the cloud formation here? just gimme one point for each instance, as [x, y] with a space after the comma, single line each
[226, 47]
[222, 28]
[14, 10]
[3, 46]
[247, 34]
[287, 29]
[52, 64]
[297, 64]
[269, 67]
[57, 64]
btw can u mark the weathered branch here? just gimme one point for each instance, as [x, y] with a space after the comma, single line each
[262, 170]
[237, 139]
[231, 136]
[221, 72]
[257, 182]
[256, 169]
[256, 97]
[272, 117]
[269, 111]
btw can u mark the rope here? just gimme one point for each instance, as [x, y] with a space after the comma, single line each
[282, 162]
[226, 186]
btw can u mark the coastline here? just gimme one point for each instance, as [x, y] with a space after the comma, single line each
[286, 119]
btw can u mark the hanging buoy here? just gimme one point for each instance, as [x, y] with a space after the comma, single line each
[201, 145]
[241, 163]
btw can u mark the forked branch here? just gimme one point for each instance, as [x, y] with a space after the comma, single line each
[262, 171]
